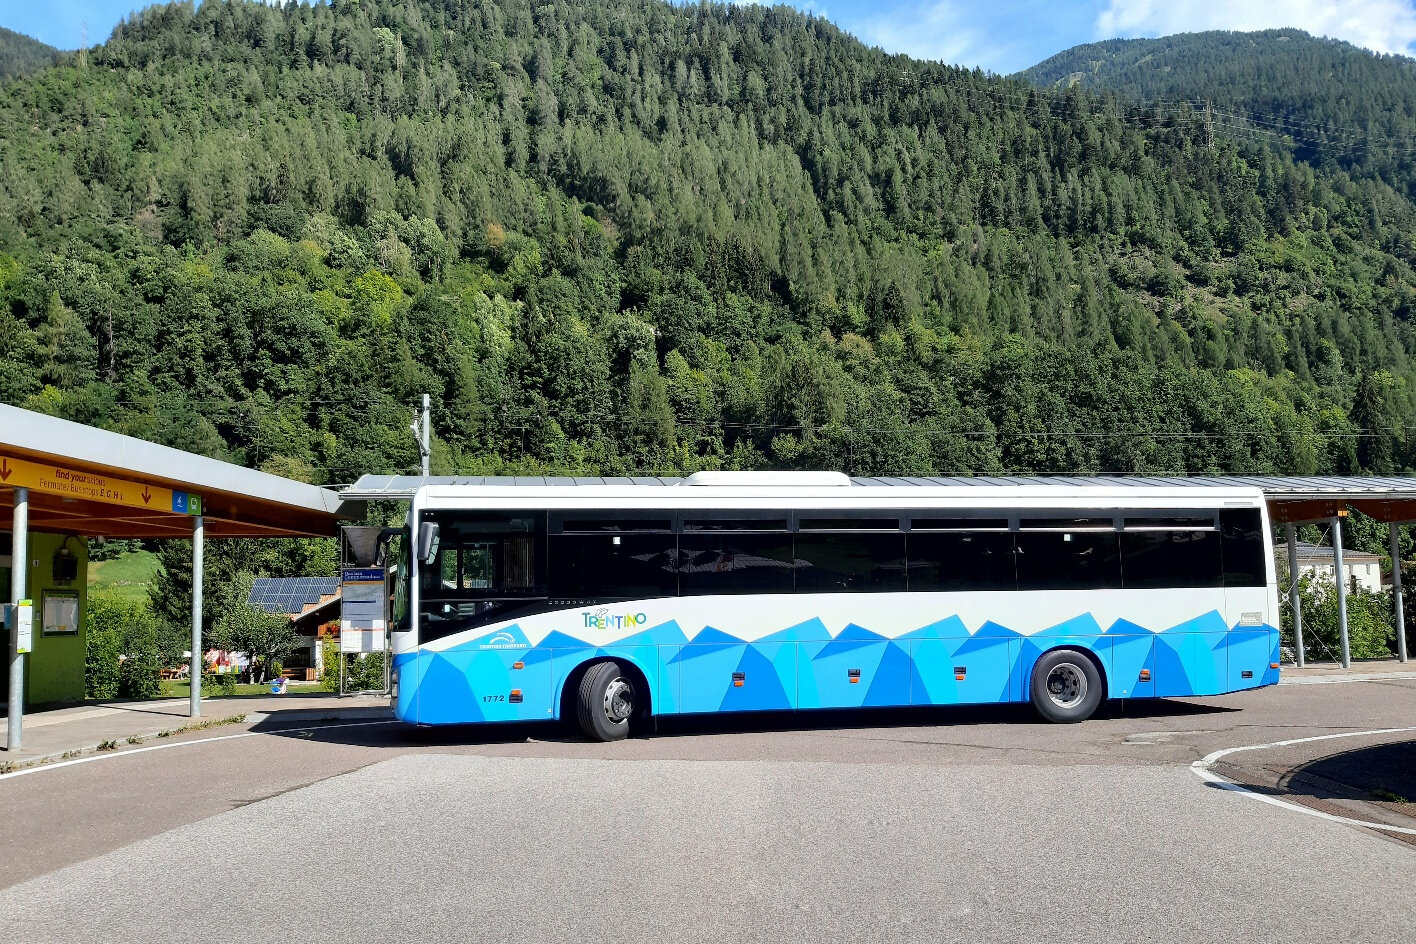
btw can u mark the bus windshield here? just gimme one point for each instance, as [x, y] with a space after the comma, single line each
[490, 566]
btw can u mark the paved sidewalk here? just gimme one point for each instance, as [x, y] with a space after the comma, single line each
[82, 728]
[1363, 670]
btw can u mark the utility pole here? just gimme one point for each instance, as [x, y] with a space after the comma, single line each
[422, 431]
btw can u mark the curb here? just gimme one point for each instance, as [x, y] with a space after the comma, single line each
[254, 718]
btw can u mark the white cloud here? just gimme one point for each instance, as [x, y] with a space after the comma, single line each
[1379, 25]
[929, 29]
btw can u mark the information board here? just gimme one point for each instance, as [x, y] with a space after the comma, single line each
[363, 614]
[22, 625]
[60, 613]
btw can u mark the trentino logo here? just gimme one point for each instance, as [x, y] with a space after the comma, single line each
[604, 619]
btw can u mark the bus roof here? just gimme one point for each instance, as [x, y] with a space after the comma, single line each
[795, 490]
[901, 489]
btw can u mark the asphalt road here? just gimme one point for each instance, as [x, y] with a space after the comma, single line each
[975, 825]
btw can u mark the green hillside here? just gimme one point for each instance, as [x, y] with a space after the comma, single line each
[626, 236]
[1336, 106]
[127, 576]
[20, 55]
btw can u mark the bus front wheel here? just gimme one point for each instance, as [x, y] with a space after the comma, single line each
[606, 702]
[1066, 686]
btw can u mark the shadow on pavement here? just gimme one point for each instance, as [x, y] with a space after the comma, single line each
[1383, 772]
[1381, 777]
[383, 734]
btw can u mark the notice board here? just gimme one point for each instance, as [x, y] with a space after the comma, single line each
[363, 617]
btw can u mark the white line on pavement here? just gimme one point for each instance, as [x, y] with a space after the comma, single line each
[162, 747]
[1201, 769]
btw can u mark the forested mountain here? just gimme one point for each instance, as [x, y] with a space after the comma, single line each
[1336, 105]
[623, 236]
[19, 54]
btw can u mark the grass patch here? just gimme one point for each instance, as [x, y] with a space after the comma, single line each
[1390, 797]
[126, 577]
[183, 690]
[202, 725]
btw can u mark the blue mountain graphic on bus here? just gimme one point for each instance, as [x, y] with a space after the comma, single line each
[804, 666]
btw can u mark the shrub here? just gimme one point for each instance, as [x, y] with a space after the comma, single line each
[222, 683]
[140, 673]
[120, 657]
[1369, 620]
[364, 673]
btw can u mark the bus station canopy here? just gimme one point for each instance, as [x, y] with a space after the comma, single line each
[94, 483]
[1290, 498]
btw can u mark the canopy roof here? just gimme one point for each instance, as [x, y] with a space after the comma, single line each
[94, 483]
[1290, 498]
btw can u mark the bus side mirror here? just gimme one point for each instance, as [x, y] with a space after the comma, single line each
[427, 542]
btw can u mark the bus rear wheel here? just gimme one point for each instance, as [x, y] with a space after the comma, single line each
[606, 702]
[1066, 686]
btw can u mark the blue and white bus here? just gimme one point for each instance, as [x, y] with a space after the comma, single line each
[622, 600]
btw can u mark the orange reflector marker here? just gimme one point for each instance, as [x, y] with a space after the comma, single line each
[1273, 665]
[1145, 675]
[518, 665]
[737, 683]
[855, 679]
[516, 691]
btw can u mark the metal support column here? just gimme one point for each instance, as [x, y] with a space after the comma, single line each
[1295, 600]
[1396, 591]
[198, 659]
[19, 571]
[1341, 576]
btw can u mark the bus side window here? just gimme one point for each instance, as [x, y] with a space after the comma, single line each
[713, 561]
[849, 561]
[961, 560]
[1154, 559]
[613, 566]
[1068, 560]
[1243, 547]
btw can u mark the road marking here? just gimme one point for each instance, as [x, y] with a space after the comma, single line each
[162, 747]
[1201, 769]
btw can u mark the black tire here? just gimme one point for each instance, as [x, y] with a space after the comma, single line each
[1066, 686]
[606, 702]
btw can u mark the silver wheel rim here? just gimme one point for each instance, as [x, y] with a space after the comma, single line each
[1066, 685]
[619, 701]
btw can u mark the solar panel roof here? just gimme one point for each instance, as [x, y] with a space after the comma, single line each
[290, 594]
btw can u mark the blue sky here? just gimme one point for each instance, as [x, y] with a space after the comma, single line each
[1000, 35]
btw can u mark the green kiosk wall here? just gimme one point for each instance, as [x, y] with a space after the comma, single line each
[54, 670]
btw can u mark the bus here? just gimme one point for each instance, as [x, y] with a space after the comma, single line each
[611, 602]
